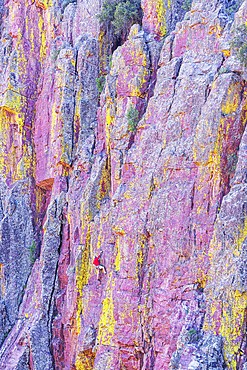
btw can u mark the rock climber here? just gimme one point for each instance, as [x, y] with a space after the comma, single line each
[97, 263]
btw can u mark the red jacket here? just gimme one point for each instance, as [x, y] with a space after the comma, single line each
[96, 261]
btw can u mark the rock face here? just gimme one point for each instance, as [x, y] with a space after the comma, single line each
[152, 172]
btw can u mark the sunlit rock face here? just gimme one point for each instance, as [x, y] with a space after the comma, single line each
[151, 171]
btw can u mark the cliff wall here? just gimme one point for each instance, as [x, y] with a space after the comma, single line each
[164, 201]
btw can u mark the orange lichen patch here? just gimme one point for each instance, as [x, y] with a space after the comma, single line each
[46, 184]
[63, 164]
[226, 52]
[40, 4]
[85, 360]
[118, 230]
[215, 29]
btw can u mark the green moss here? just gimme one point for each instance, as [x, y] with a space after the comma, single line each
[133, 118]
[110, 61]
[32, 250]
[191, 332]
[55, 54]
[239, 43]
[187, 5]
[100, 83]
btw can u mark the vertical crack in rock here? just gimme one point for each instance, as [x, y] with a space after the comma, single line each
[18, 234]
[41, 350]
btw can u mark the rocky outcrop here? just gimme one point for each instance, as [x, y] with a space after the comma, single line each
[151, 171]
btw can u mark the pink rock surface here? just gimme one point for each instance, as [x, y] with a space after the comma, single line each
[163, 199]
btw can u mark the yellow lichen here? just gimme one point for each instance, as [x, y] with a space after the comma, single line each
[107, 321]
[231, 328]
[104, 183]
[161, 18]
[2, 280]
[82, 278]
[140, 255]
[117, 259]
[85, 360]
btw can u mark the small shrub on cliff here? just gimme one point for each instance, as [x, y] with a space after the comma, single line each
[121, 14]
[110, 61]
[187, 5]
[133, 118]
[32, 250]
[192, 331]
[224, 70]
[239, 43]
[100, 81]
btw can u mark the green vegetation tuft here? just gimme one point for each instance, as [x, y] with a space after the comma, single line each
[32, 250]
[100, 81]
[239, 43]
[21, 295]
[191, 332]
[224, 70]
[110, 61]
[133, 118]
[187, 5]
[55, 54]
[121, 14]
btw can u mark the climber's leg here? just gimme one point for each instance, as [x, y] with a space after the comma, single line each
[101, 267]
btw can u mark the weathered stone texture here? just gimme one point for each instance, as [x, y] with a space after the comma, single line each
[164, 201]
